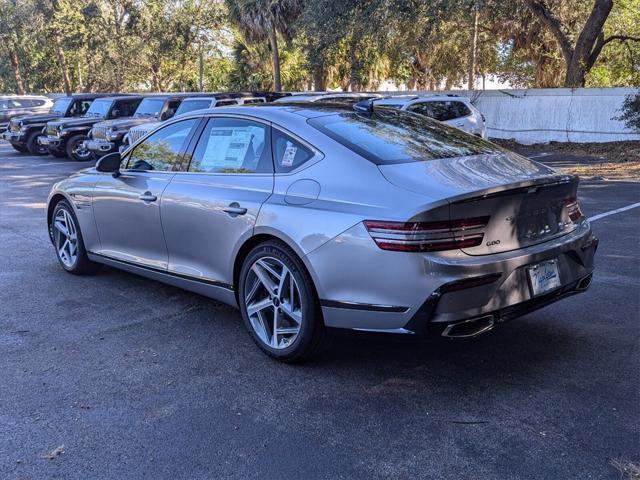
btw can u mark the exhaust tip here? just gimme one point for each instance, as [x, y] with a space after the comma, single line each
[470, 328]
[585, 282]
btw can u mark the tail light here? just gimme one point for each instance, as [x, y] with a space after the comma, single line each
[427, 236]
[573, 209]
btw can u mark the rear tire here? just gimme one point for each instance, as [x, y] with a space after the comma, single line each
[76, 152]
[19, 148]
[34, 147]
[67, 240]
[276, 294]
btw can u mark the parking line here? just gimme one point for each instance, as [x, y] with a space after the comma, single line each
[612, 212]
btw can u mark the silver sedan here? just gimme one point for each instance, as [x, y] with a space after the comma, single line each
[308, 217]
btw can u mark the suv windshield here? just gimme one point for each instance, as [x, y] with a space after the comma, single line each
[60, 106]
[150, 107]
[99, 108]
[191, 105]
[393, 136]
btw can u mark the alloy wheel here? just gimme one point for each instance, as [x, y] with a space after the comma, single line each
[80, 152]
[273, 302]
[65, 237]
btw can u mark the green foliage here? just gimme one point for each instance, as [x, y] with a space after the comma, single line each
[631, 112]
[157, 45]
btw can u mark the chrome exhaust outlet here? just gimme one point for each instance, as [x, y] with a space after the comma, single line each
[470, 328]
[585, 282]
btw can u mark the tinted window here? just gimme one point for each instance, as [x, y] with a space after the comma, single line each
[150, 107]
[441, 110]
[230, 145]
[38, 103]
[16, 103]
[395, 136]
[125, 108]
[162, 150]
[191, 105]
[222, 103]
[60, 106]
[288, 153]
[249, 101]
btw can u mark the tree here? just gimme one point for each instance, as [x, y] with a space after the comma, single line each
[261, 20]
[581, 55]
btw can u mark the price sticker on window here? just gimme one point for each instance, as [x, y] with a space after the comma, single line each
[289, 155]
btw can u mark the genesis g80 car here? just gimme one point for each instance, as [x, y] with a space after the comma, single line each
[314, 216]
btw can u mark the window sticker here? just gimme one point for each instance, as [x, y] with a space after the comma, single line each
[227, 148]
[289, 155]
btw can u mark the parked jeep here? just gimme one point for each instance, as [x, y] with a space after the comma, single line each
[14, 105]
[66, 137]
[107, 136]
[24, 131]
[198, 102]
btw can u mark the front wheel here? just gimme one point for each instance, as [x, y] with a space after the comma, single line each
[76, 150]
[67, 240]
[19, 147]
[34, 147]
[279, 305]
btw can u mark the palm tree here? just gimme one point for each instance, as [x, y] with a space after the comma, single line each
[260, 20]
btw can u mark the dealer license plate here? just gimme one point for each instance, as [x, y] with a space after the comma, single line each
[544, 277]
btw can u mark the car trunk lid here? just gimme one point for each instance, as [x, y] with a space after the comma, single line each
[524, 202]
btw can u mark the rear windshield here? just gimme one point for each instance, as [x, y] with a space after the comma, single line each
[191, 105]
[394, 136]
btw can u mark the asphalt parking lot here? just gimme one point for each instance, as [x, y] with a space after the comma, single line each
[116, 376]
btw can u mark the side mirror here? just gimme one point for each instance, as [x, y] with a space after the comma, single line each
[167, 114]
[110, 163]
[115, 113]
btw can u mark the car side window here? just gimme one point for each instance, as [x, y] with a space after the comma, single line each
[162, 151]
[233, 145]
[288, 153]
[461, 109]
[80, 107]
[125, 108]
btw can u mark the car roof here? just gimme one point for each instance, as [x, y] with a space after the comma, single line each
[404, 99]
[123, 97]
[87, 96]
[13, 97]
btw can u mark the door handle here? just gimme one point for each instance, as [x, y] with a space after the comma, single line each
[235, 209]
[148, 197]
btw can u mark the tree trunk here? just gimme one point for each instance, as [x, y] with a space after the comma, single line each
[63, 63]
[579, 58]
[80, 85]
[318, 78]
[275, 55]
[15, 64]
[201, 67]
[473, 48]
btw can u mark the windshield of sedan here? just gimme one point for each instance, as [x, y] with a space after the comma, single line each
[389, 136]
[192, 105]
[150, 107]
[99, 108]
[60, 106]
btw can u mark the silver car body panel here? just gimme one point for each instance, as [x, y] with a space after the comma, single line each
[187, 239]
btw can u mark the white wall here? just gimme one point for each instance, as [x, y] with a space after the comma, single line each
[554, 114]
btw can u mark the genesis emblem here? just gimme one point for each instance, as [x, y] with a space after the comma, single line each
[493, 242]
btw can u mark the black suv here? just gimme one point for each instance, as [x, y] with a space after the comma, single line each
[107, 136]
[66, 137]
[24, 131]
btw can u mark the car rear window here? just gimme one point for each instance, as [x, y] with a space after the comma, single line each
[394, 136]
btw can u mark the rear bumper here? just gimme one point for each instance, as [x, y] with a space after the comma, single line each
[101, 147]
[366, 288]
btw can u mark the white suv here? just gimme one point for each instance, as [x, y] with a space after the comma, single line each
[450, 109]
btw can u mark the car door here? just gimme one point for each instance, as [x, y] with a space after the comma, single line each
[210, 209]
[127, 207]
